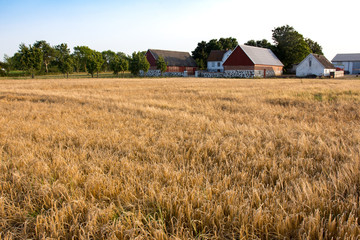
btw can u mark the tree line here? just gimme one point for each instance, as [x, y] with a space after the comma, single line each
[42, 58]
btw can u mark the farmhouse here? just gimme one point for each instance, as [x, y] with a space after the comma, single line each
[315, 64]
[178, 63]
[216, 60]
[349, 62]
[248, 61]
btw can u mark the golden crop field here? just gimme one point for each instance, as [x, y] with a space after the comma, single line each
[179, 158]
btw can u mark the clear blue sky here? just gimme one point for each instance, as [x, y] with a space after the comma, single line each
[137, 25]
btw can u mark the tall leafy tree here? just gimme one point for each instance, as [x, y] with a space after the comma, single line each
[119, 64]
[138, 62]
[290, 46]
[200, 54]
[108, 56]
[228, 43]
[203, 49]
[213, 44]
[80, 57]
[64, 59]
[94, 61]
[48, 53]
[314, 46]
[31, 59]
[161, 65]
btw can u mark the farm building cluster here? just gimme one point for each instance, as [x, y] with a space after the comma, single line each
[248, 62]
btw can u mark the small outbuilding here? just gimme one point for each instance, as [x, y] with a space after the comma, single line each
[216, 60]
[178, 63]
[349, 62]
[315, 65]
[259, 62]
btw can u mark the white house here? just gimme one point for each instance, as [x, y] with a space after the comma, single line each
[349, 62]
[216, 59]
[315, 64]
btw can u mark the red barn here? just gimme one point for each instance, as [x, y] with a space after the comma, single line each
[176, 61]
[253, 58]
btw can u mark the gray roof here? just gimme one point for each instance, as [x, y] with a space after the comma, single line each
[261, 56]
[174, 58]
[347, 57]
[323, 60]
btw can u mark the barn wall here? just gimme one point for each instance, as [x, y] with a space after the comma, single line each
[270, 70]
[343, 65]
[238, 67]
[151, 60]
[180, 69]
[238, 58]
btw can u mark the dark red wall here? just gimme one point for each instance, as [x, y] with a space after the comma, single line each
[151, 59]
[238, 57]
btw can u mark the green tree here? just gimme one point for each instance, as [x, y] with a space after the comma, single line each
[260, 43]
[119, 64]
[138, 62]
[203, 49]
[94, 62]
[108, 56]
[80, 57]
[290, 46]
[31, 59]
[14, 62]
[228, 43]
[213, 44]
[161, 65]
[64, 59]
[48, 53]
[314, 46]
[200, 55]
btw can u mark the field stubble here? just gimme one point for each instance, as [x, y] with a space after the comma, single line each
[179, 159]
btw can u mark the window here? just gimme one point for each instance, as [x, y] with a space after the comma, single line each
[213, 64]
[309, 62]
[218, 64]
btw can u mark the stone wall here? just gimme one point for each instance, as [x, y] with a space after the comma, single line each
[226, 74]
[153, 73]
[157, 73]
[211, 74]
[242, 73]
[272, 73]
[237, 74]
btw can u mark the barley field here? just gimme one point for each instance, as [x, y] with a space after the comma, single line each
[179, 158]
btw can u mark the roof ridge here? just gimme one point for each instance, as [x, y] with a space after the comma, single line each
[167, 50]
[260, 53]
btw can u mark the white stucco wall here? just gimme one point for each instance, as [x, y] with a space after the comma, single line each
[218, 66]
[315, 68]
[215, 66]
